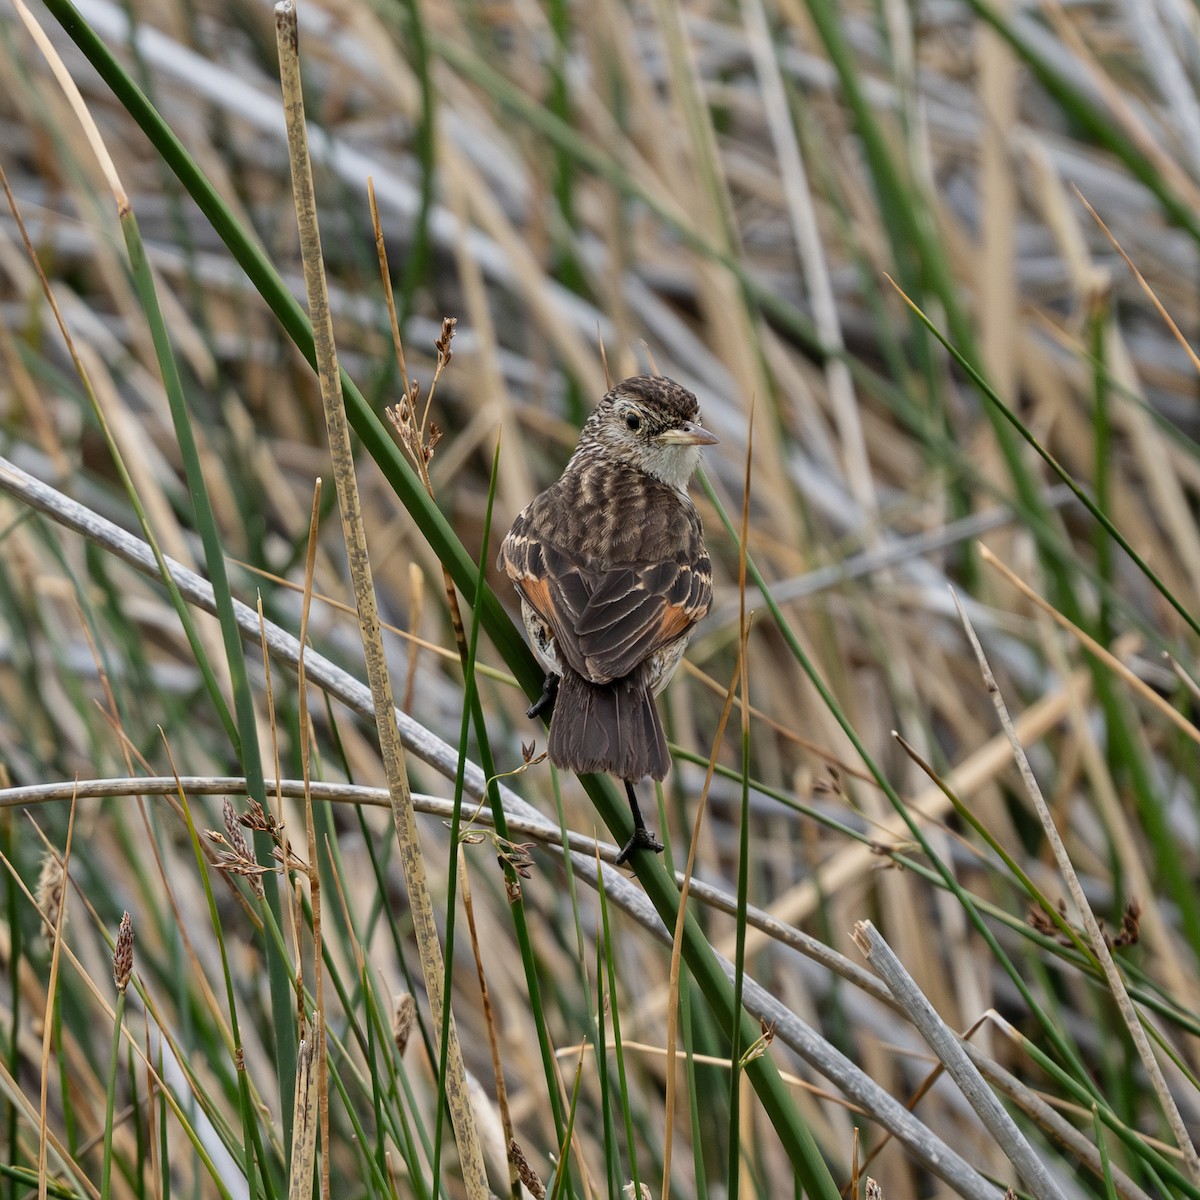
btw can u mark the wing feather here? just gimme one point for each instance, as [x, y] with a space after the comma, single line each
[608, 618]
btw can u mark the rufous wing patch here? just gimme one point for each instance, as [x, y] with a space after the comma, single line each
[676, 619]
[537, 592]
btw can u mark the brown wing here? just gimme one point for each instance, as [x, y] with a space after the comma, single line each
[608, 620]
[522, 561]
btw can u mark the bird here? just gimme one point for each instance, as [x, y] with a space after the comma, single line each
[613, 575]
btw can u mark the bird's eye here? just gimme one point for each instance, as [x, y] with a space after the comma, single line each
[633, 421]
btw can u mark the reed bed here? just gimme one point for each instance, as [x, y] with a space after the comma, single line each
[931, 271]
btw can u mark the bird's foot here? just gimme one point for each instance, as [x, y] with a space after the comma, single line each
[545, 702]
[642, 839]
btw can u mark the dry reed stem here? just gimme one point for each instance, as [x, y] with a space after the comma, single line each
[306, 1119]
[349, 504]
[1049, 1120]
[949, 1051]
[317, 1033]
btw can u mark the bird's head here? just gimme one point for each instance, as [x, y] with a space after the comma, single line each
[652, 423]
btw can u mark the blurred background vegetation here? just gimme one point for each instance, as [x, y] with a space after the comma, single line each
[723, 193]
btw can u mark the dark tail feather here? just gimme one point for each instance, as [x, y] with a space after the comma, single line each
[612, 727]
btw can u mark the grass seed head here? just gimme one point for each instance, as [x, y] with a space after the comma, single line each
[449, 324]
[49, 893]
[402, 1021]
[238, 858]
[527, 1175]
[123, 954]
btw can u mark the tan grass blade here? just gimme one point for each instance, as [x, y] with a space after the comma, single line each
[302, 1163]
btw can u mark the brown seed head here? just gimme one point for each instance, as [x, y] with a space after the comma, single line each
[239, 859]
[515, 855]
[49, 892]
[233, 830]
[449, 324]
[525, 1173]
[402, 1021]
[402, 414]
[123, 954]
[255, 819]
[1131, 926]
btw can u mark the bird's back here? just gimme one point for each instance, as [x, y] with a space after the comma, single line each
[612, 519]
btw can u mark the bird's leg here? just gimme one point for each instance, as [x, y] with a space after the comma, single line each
[642, 838]
[545, 702]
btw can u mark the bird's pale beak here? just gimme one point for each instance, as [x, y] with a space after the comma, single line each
[688, 435]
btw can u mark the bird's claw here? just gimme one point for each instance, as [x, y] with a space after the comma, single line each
[545, 702]
[642, 839]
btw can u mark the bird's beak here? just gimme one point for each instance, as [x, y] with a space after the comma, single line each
[688, 435]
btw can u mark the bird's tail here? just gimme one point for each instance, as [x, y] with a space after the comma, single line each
[612, 727]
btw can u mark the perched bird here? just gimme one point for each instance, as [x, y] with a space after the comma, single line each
[612, 572]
